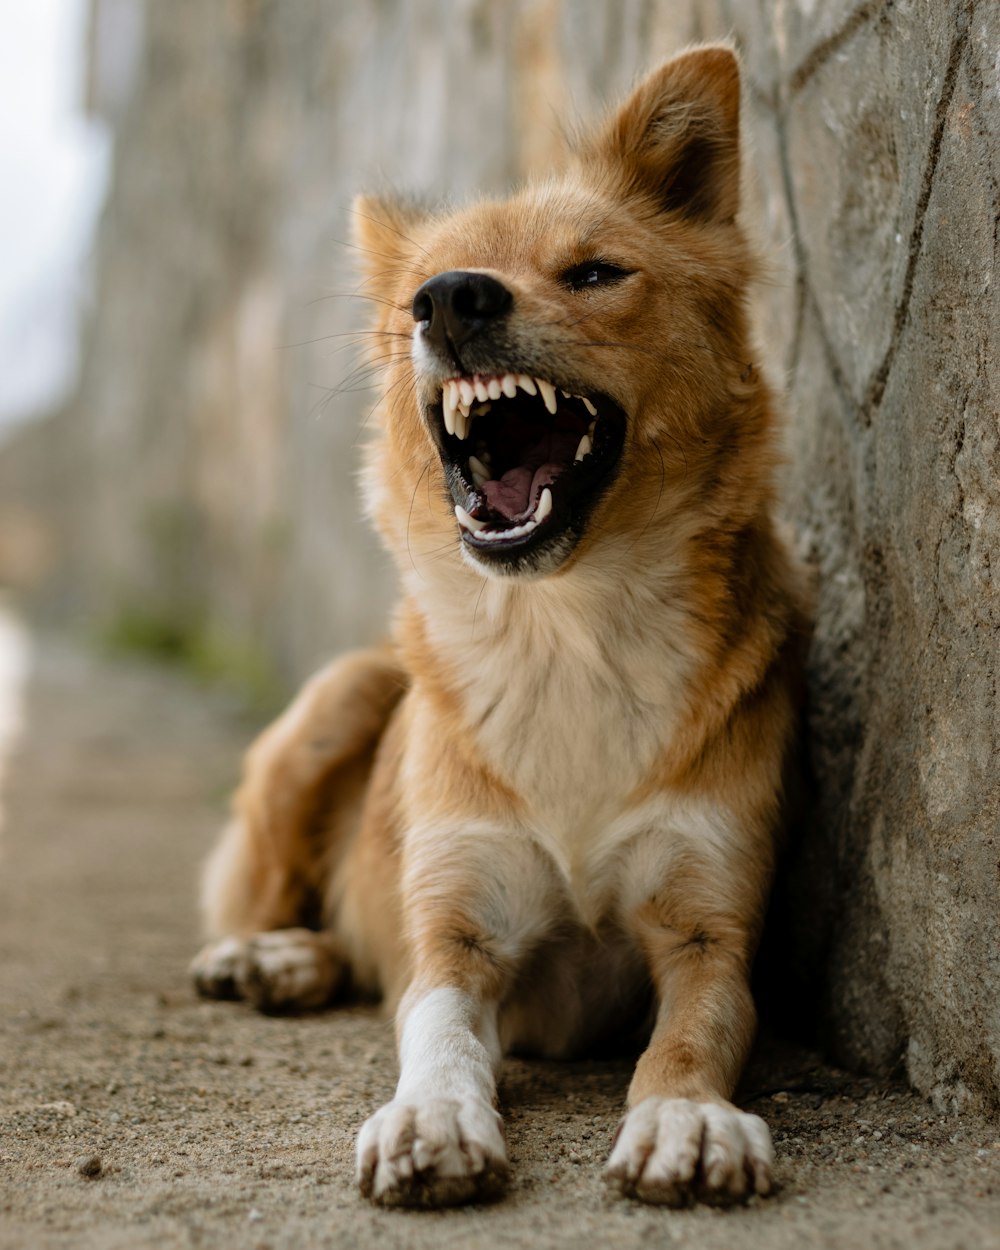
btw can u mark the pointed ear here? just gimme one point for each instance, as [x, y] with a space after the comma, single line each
[382, 230]
[676, 139]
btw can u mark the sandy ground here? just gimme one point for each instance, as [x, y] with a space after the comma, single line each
[205, 1125]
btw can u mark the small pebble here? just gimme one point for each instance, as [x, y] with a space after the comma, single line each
[60, 1108]
[89, 1166]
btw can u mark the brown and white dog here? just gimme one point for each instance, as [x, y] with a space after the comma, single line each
[553, 802]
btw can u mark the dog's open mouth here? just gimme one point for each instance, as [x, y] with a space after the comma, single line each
[525, 460]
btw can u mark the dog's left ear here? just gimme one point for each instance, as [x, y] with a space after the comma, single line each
[676, 139]
[382, 230]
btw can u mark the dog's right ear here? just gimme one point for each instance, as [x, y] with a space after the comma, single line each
[382, 230]
[676, 139]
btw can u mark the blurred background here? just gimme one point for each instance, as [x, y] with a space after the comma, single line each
[180, 402]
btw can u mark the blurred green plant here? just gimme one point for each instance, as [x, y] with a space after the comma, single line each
[208, 654]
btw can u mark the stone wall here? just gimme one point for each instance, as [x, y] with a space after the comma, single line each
[206, 464]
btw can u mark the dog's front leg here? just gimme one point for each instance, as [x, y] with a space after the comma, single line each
[682, 1139]
[440, 1141]
[474, 907]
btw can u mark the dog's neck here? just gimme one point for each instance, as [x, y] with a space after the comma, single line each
[539, 669]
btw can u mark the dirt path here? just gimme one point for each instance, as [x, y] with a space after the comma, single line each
[215, 1127]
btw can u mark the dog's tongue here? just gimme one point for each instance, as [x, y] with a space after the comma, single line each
[515, 493]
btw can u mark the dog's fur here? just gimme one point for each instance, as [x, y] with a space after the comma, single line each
[560, 787]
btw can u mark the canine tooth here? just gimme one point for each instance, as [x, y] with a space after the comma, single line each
[479, 470]
[592, 427]
[448, 406]
[548, 394]
[466, 392]
[468, 522]
[479, 386]
[493, 388]
[589, 406]
[526, 384]
[544, 505]
[508, 384]
[462, 424]
[585, 448]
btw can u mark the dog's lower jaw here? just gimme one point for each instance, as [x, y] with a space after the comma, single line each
[533, 566]
[440, 1141]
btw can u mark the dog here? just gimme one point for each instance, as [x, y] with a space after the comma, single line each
[550, 808]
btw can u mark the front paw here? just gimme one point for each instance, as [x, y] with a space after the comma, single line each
[673, 1151]
[435, 1153]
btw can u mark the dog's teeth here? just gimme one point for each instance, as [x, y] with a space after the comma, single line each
[526, 384]
[592, 427]
[544, 505]
[481, 410]
[565, 394]
[480, 473]
[585, 448]
[517, 531]
[493, 388]
[589, 406]
[479, 386]
[508, 384]
[548, 392]
[462, 424]
[466, 392]
[448, 406]
[468, 522]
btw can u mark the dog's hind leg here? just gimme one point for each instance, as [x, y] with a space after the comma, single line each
[295, 816]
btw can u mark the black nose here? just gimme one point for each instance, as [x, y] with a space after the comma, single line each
[456, 305]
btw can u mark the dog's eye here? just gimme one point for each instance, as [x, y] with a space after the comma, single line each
[593, 273]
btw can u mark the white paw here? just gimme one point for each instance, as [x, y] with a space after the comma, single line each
[673, 1151]
[284, 970]
[219, 967]
[434, 1153]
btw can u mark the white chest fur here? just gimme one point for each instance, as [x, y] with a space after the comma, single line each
[571, 687]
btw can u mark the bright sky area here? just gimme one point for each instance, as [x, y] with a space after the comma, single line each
[53, 172]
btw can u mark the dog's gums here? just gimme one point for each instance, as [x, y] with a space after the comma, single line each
[525, 460]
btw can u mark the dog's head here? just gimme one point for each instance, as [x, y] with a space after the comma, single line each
[562, 361]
